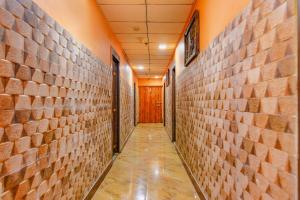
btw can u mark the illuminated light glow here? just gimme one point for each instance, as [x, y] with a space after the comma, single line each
[140, 67]
[162, 46]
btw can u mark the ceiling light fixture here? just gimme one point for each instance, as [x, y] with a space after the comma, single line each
[141, 67]
[162, 46]
[156, 77]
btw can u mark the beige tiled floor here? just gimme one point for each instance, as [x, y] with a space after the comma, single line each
[147, 169]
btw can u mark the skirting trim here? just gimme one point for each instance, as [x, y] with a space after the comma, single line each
[189, 172]
[93, 190]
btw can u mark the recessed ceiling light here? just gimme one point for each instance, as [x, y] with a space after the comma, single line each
[162, 46]
[141, 67]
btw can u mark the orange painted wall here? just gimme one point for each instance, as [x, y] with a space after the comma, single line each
[215, 15]
[84, 21]
[150, 82]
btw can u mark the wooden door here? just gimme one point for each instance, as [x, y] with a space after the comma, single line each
[150, 104]
[116, 105]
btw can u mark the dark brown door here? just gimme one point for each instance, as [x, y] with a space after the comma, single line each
[150, 104]
[173, 105]
[116, 105]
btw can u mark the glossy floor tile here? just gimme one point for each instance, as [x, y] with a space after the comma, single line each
[147, 169]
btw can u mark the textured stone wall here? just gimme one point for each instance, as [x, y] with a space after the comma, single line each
[237, 107]
[55, 108]
[127, 109]
[168, 109]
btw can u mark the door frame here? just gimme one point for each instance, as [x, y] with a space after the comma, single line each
[115, 99]
[134, 104]
[164, 103]
[298, 84]
[173, 72]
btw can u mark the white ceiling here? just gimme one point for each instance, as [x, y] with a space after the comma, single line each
[138, 22]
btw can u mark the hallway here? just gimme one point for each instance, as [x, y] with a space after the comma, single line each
[94, 92]
[147, 169]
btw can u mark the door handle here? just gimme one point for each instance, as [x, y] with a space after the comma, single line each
[114, 110]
